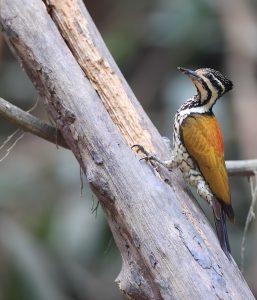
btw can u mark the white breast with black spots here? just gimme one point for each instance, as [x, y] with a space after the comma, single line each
[186, 164]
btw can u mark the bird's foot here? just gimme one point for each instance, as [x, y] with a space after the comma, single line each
[169, 164]
[147, 156]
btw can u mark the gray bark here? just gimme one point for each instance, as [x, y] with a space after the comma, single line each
[28, 123]
[168, 249]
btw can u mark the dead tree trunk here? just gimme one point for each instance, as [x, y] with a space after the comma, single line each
[168, 248]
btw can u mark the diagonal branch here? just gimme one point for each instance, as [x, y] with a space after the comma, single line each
[29, 123]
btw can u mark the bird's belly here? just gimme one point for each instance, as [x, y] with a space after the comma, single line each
[187, 166]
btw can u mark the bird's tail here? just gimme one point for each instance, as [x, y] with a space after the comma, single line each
[221, 226]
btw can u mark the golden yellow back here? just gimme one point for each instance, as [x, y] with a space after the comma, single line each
[203, 140]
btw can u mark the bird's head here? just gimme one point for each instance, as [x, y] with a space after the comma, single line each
[210, 84]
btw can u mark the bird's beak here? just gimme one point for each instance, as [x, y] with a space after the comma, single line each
[191, 74]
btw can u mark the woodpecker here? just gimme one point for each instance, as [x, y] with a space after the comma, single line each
[198, 148]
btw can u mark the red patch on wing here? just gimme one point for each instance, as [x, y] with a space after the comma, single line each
[217, 141]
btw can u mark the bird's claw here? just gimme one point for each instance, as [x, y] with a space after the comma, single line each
[147, 156]
[140, 148]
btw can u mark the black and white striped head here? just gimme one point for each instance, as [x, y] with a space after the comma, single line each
[210, 84]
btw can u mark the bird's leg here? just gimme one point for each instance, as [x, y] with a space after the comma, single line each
[203, 191]
[169, 164]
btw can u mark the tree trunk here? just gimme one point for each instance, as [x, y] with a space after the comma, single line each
[168, 249]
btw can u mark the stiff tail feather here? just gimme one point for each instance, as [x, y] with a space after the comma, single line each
[221, 227]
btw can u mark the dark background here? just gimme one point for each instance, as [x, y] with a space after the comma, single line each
[51, 244]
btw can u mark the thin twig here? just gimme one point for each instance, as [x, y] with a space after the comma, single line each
[29, 123]
[81, 181]
[7, 140]
[250, 217]
[33, 107]
[14, 143]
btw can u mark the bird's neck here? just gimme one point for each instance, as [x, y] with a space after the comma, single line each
[206, 103]
[207, 94]
[195, 106]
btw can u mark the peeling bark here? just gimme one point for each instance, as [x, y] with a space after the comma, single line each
[87, 46]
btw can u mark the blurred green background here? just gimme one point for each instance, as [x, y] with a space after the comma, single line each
[52, 246]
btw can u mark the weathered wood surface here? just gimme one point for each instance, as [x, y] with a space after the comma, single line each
[168, 248]
[87, 46]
